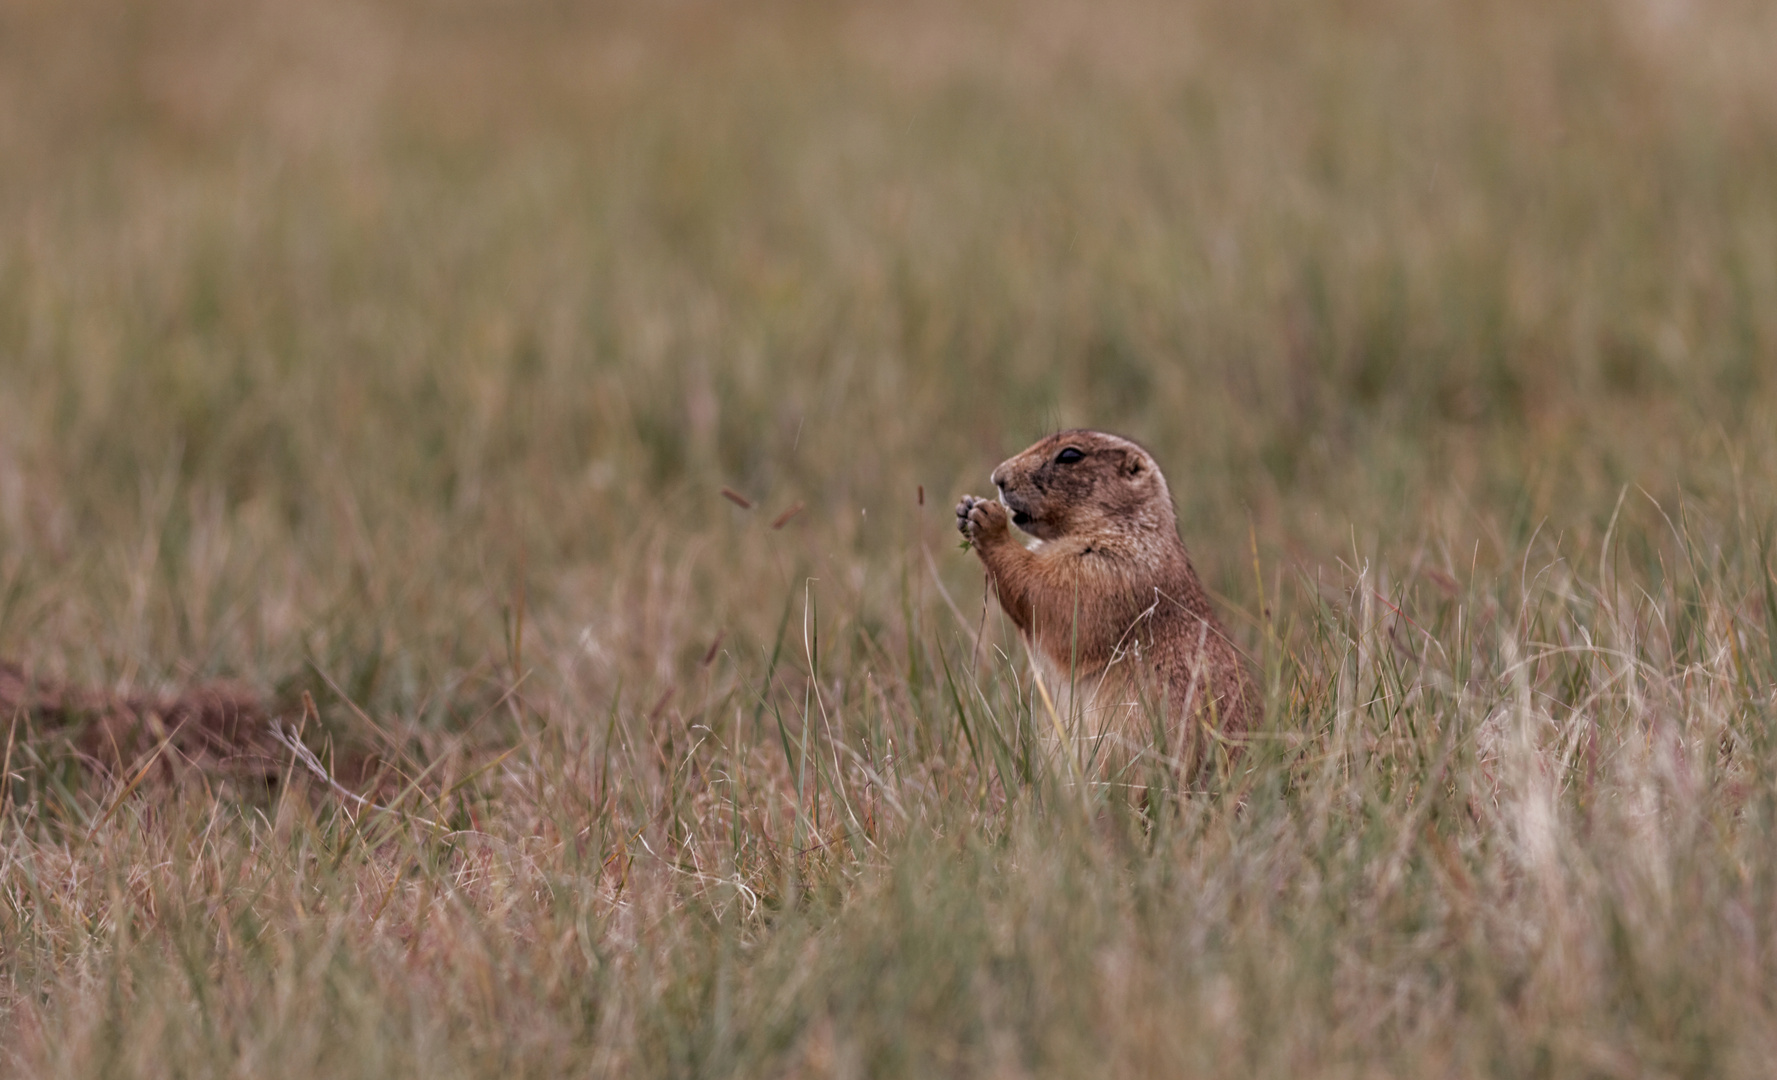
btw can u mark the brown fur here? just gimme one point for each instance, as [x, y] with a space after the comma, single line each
[1107, 597]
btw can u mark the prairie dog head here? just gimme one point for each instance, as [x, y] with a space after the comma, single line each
[1085, 483]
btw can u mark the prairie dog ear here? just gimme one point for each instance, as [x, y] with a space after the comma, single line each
[1133, 465]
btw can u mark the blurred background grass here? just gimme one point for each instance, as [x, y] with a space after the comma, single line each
[375, 296]
[336, 335]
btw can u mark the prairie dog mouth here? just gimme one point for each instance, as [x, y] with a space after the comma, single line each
[1019, 517]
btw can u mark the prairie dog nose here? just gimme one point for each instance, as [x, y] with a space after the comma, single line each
[995, 480]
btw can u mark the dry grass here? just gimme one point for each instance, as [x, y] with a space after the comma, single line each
[401, 355]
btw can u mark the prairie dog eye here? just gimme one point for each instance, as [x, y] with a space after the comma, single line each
[1069, 456]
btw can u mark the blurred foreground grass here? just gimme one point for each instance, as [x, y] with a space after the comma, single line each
[399, 352]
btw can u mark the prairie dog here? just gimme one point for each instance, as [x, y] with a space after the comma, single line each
[1107, 598]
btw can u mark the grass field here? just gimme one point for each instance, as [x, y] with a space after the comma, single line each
[398, 353]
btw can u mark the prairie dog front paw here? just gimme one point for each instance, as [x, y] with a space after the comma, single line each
[981, 521]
